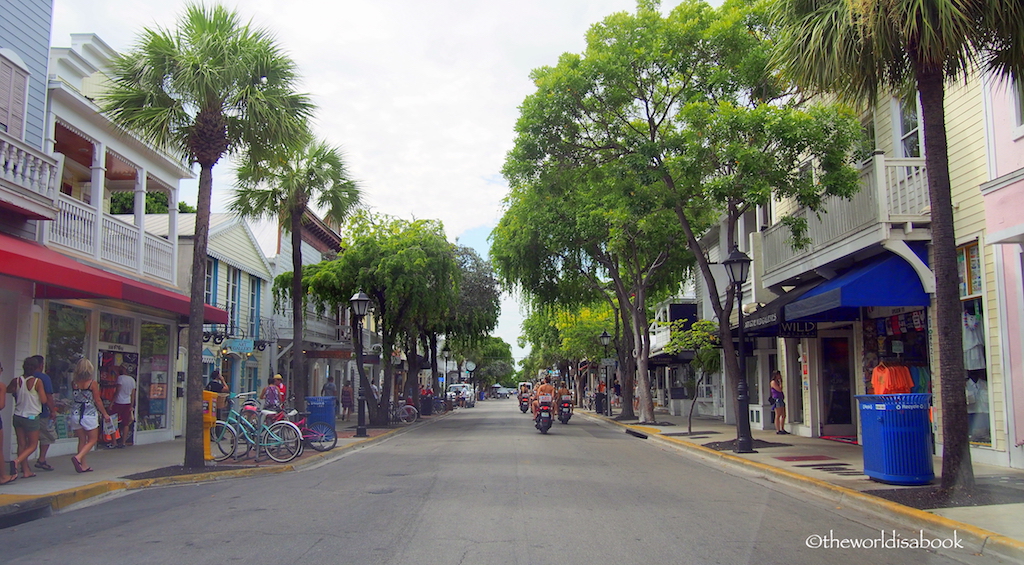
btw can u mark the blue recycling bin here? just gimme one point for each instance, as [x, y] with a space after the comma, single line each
[321, 409]
[896, 438]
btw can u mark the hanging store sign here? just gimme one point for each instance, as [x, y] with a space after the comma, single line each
[240, 345]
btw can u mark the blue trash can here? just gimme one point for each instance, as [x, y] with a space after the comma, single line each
[896, 438]
[321, 409]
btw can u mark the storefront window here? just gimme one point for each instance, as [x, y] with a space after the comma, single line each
[117, 329]
[153, 402]
[67, 337]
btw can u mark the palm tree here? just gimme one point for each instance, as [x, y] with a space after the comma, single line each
[282, 187]
[210, 87]
[857, 48]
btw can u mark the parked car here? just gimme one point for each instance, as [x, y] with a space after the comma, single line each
[461, 389]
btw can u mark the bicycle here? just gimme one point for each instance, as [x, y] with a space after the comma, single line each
[440, 405]
[403, 413]
[280, 439]
[321, 436]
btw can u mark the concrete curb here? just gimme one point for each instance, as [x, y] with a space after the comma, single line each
[977, 540]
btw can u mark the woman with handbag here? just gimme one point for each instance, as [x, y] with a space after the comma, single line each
[85, 409]
[779, 403]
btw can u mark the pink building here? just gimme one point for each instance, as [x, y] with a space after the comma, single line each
[1004, 226]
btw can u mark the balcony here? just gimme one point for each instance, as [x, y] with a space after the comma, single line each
[28, 179]
[893, 203]
[79, 229]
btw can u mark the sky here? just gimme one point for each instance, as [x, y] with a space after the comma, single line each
[421, 96]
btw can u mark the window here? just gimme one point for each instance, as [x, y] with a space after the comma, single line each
[250, 379]
[1018, 103]
[910, 137]
[968, 262]
[13, 85]
[254, 306]
[211, 282]
[233, 296]
[867, 145]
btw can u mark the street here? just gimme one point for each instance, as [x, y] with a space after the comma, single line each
[478, 486]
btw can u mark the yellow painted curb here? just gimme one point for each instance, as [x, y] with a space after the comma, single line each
[65, 498]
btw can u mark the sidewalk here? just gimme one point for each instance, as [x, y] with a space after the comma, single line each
[834, 470]
[51, 491]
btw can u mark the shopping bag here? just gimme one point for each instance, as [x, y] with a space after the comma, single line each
[110, 431]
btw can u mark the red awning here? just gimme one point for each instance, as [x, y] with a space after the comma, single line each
[59, 276]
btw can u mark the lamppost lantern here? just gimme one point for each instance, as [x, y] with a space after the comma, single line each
[360, 305]
[605, 338]
[737, 265]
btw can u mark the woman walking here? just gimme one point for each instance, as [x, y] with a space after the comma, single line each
[779, 403]
[28, 406]
[85, 411]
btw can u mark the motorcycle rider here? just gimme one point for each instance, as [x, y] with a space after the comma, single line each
[545, 388]
[562, 391]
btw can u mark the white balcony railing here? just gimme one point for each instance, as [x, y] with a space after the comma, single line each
[75, 229]
[892, 191]
[30, 174]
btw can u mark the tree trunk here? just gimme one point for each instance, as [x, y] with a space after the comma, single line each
[693, 402]
[957, 471]
[642, 340]
[299, 377]
[625, 344]
[194, 437]
[435, 382]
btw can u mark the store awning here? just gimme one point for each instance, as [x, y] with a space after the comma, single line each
[887, 280]
[769, 319]
[58, 276]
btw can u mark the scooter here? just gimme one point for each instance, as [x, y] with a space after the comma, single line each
[524, 403]
[543, 418]
[565, 409]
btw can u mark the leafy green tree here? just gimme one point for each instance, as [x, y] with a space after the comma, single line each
[406, 267]
[210, 87]
[703, 339]
[691, 104]
[282, 187]
[156, 203]
[860, 49]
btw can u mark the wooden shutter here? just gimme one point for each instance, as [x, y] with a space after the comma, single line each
[13, 82]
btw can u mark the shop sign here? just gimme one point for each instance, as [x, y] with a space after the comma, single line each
[798, 329]
[240, 345]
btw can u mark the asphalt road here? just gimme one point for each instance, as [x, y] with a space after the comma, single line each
[480, 486]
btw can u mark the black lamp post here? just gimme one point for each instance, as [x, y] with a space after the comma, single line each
[605, 338]
[470, 367]
[360, 304]
[737, 265]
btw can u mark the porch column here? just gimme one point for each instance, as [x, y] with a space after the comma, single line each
[140, 219]
[99, 170]
[172, 231]
[880, 181]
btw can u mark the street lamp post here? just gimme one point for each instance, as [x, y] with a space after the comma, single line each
[605, 338]
[737, 265]
[360, 304]
[470, 367]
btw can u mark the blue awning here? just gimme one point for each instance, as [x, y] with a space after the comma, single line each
[886, 280]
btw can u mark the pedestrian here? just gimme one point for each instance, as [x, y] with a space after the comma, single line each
[123, 404]
[778, 402]
[220, 387]
[85, 412]
[5, 477]
[47, 420]
[346, 400]
[618, 393]
[271, 394]
[29, 398]
[330, 389]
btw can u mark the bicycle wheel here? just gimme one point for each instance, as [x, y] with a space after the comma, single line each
[282, 441]
[407, 414]
[321, 436]
[223, 440]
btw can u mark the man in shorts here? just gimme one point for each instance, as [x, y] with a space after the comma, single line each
[47, 429]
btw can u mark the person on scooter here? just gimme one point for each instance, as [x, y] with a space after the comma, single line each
[545, 388]
[562, 391]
